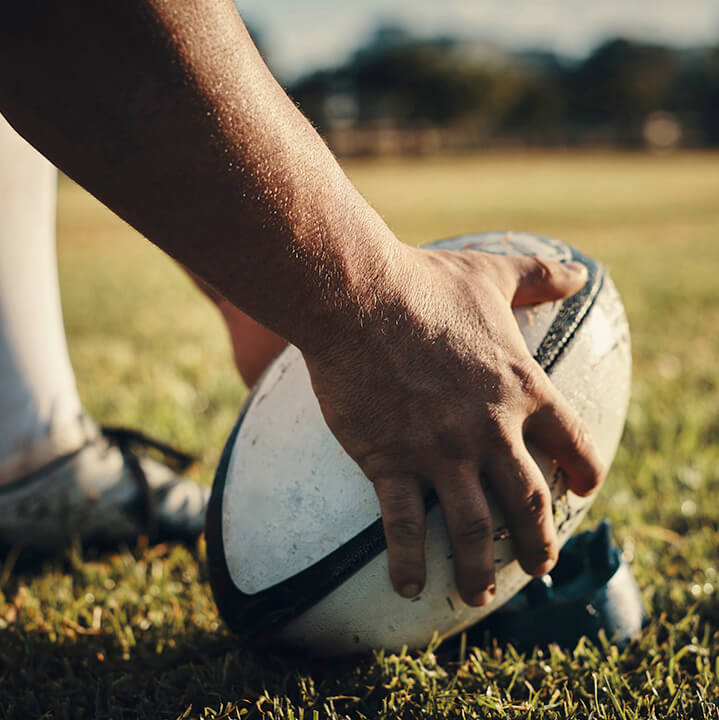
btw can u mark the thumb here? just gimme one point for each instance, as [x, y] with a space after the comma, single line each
[539, 280]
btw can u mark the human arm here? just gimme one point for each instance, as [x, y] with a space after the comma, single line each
[166, 112]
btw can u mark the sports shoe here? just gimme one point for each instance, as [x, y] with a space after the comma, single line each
[102, 488]
[590, 590]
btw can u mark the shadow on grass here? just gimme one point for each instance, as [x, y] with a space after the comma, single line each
[55, 664]
[92, 675]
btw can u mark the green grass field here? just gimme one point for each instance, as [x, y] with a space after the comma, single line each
[136, 633]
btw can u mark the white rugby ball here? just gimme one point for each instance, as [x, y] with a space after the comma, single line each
[295, 545]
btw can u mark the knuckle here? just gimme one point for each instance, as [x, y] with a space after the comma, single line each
[579, 434]
[403, 531]
[475, 531]
[376, 464]
[529, 378]
[541, 269]
[536, 504]
[498, 430]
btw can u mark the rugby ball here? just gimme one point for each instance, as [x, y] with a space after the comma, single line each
[295, 545]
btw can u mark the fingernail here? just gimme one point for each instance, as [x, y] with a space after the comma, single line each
[549, 552]
[410, 590]
[547, 560]
[575, 267]
[484, 597]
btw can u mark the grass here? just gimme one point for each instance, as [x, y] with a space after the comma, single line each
[136, 634]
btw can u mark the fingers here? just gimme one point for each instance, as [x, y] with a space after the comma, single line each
[469, 522]
[560, 433]
[525, 499]
[536, 280]
[519, 488]
[402, 506]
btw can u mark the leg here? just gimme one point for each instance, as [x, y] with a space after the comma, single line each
[38, 395]
[59, 476]
[253, 345]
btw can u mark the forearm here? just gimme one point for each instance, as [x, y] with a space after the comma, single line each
[166, 112]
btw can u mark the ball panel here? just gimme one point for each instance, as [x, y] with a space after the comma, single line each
[256, 616]
[298, 511]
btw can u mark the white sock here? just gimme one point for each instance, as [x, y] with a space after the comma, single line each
[38, 394]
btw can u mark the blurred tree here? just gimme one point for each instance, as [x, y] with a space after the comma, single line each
[396, 80]
[697, 94]
[620, 84]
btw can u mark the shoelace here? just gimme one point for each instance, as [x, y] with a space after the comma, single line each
[133, 443]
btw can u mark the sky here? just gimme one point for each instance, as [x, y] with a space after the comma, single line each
[303, 35]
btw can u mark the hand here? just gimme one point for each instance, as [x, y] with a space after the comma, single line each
[435, 387]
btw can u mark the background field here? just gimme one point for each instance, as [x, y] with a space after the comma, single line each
[136, 633]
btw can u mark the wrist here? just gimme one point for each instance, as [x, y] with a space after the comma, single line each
[355, 288]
